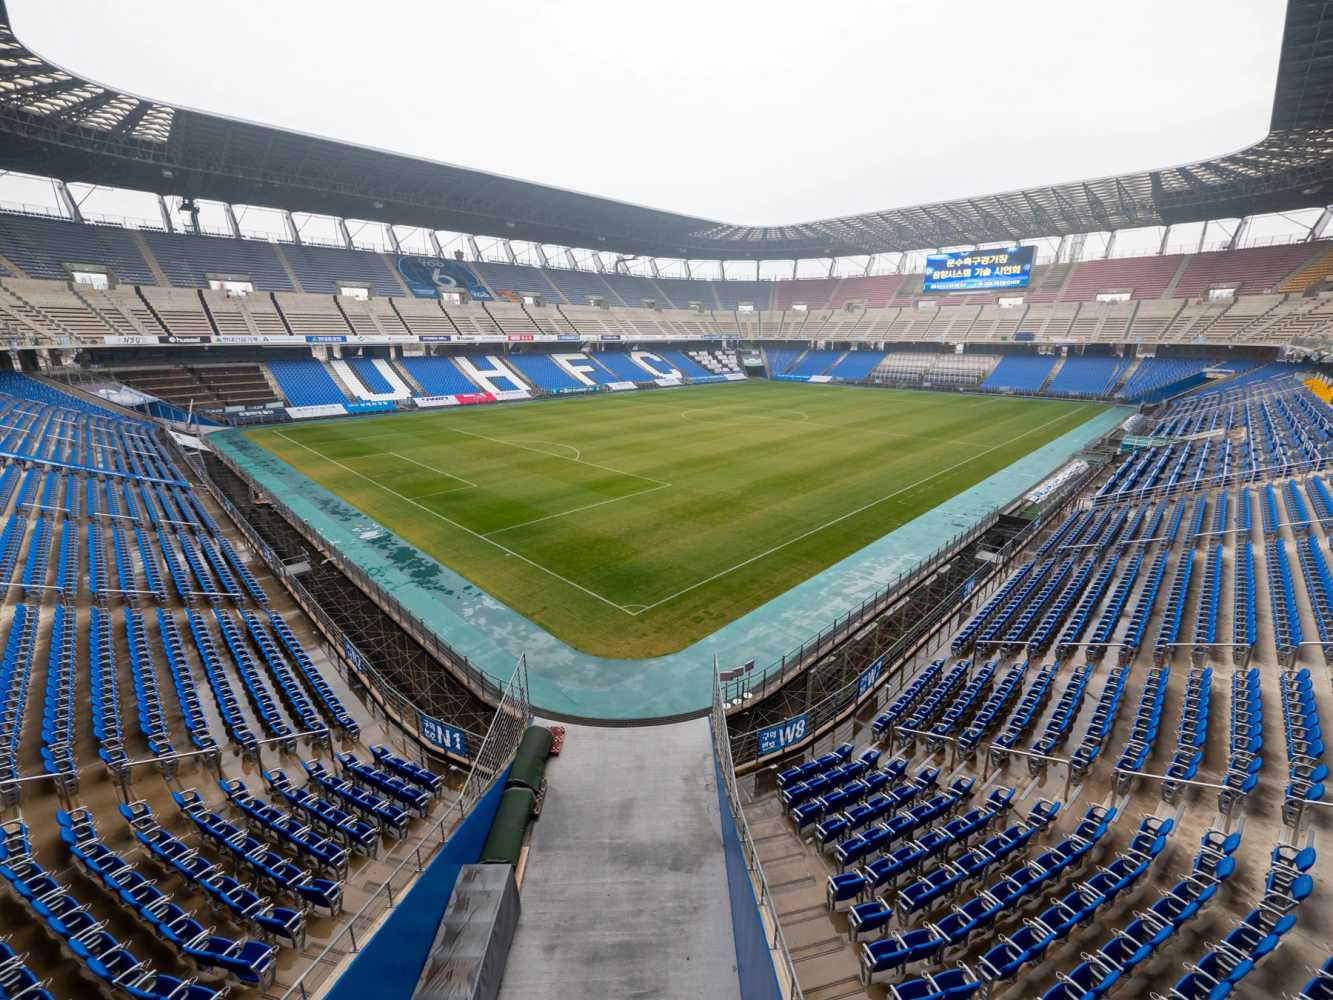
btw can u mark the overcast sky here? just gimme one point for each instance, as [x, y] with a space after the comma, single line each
[759, 112]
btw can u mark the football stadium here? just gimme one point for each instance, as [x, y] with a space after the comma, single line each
[421, 582]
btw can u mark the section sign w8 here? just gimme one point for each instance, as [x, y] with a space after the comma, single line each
[972, 270]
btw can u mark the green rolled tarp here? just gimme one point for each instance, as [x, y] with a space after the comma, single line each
[511, 822]
[530, 761]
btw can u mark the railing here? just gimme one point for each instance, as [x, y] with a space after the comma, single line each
[344, 654]
[748, 686]
[495, 753]
[777, 942]
[921, 641]
[475, 680]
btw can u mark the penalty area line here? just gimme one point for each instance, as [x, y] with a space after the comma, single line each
[851, 513]
[576, 510]
[431, 468]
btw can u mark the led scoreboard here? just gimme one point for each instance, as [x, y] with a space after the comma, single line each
[978, 270]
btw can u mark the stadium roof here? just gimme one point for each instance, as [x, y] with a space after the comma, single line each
[55, 123]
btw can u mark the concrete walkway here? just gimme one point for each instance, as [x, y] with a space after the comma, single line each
[625, 892]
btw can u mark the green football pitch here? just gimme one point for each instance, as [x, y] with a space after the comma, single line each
[633, 524]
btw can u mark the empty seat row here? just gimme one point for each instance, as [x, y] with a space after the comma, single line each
[341, 825]
[1245, 742]
[1220, 969]
[1100, 725]
[892, 956]
[275, 872]
[244, 962]
[1307, 771]
[1143, 736]
[1127, 948]
[286, 831]
[1191, 732]
[284, 925]
[81, 936]
[845, 890]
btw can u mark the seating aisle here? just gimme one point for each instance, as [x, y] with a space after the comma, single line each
[624, 893]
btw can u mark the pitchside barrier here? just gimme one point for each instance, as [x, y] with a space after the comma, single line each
[872, 672]
[434, 736]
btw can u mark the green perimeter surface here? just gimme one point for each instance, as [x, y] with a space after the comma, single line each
[631, 525]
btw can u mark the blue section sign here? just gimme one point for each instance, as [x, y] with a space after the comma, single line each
[978, 270]
[784, 734]
[441, 734]
[427, 277]
[868, 677]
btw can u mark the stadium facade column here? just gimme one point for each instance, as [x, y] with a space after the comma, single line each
[1242, 230]
[1321, 224]
[393, 238]
[229, 214]
[653, 268]
[870, 263]
[434, 239]
[541, 254]
[1203, 235]
[1110, 246]
[293, 230]
[689, 272]
[476, 250]
[345, 234]
[509, 251]
[795, 266]
[1166, 235]
[162, 209]
[569, 259]
[67, 199]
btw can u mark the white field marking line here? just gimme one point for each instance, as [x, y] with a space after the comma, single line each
[580, 461]
[575, 510]
[451, 521]
[850, 513]
[764, 418]
[431, 468]
[440, 493]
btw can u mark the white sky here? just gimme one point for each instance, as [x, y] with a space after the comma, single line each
[743, 111]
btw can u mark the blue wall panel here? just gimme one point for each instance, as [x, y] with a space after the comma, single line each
[754, 962]
[390, 965]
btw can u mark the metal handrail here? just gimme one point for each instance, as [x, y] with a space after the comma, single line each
[514, 704]
[787, 980]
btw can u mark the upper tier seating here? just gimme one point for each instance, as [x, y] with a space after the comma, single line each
[42, 246]
[578, 287]
[812, 292]
[513, 281]
[1252, 271]
[633, 290]
[1147, 277]
[321, 269]
[681, 292]
[189, 261]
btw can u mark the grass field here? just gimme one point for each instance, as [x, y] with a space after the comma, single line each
[633, 524]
